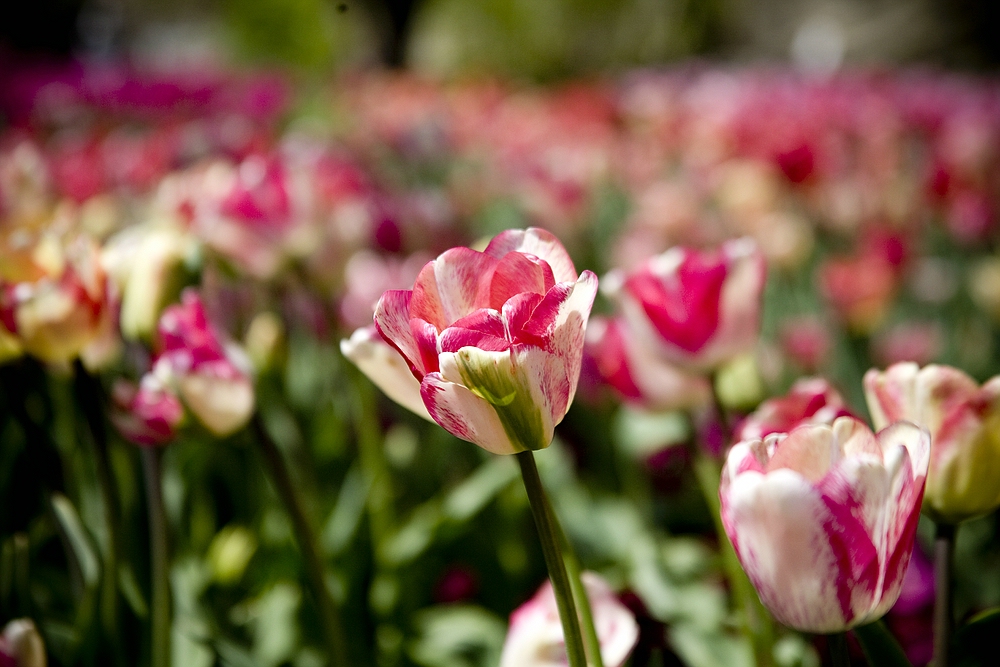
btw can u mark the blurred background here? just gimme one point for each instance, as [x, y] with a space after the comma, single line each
[541, 39]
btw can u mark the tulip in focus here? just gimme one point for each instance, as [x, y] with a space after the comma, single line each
[697, 309]
[823, 519]
[535, 637]
[495, 338]
[21, 645]
[964, 422]
[809, 401]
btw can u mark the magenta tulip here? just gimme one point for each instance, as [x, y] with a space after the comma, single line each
[699, 309]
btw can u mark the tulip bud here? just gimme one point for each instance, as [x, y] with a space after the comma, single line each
[823, 519]
[495, 338]
[535, 638]
[698, 309]
[964, 422]
[22, 644]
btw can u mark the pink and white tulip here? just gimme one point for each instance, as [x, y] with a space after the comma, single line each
[823, 519]
[535, 637]
[210, 377]
[638, 374]
[495, 338]
[698, 309]
[809, 401]
[148, 414]
[964, 422]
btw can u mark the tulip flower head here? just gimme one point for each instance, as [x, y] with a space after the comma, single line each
[495, 338]
[192, 370]
[964, 422]
[823, 519]
[535, 637]
[810, 401]
[698, 309]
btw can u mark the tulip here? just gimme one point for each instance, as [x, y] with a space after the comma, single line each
[54, 300]
[638, 374]
[21, 645]
[495, 338]
[823, 519]
[535, 637]
[148, 414]
[697, 309]
[211, 378]
[964, 422]
[809, 401]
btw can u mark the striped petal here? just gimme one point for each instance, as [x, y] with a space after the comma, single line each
[465, 415]
[537, 242]
[392, 321]
[452, 286]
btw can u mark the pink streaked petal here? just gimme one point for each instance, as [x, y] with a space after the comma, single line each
[464, 415]
[567, 330]
[891, 396]
[855, 439]
[452, 286]
[454, 338]
[517, 273]
[392, 321]
[426, 337]
[776, 523]
[546, 375]
[808, 450]
[537, 242]
[517, 311]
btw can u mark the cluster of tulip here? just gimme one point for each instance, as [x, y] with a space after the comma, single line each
[182, 260]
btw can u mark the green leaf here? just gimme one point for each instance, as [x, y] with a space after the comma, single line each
[975, 643]
[81, 550]
[458, 636]
[346, 516]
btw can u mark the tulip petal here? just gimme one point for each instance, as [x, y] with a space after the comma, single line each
[392, 321]
[483, 329]
[385, 368]
[517, 273]
[452, 286]
[465, 415]
[776, 523]
[538, 242]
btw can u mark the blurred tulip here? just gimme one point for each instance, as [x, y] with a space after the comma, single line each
[535, 637]
[211, 378]
[809, 401]
[145, 262]
[860, 289]
[964, 422]
[495, 338]
[21, 645]
[148, 414]
[54, 297]
[637, 373]
[698, 309]
[919, 342]
[806, 341]
[823, 519]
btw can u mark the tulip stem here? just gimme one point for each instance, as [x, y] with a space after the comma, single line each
[756, 620]
[544, 520]
[944, 551]
[89, 394]
[880, 647]
[837, 644]
[329, 613]
[591, 641]
[159, 557]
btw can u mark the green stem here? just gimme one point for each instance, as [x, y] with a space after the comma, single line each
[837, 643]
[756, 620]
[880, 647]
[329, 613]
[944, 551]
[89, 397]
[159, 557]
[372, 457]
[553, 559]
